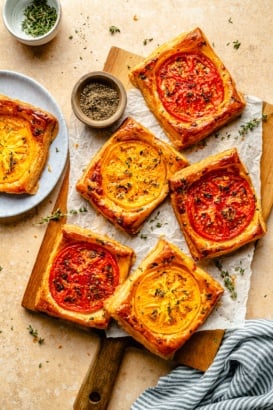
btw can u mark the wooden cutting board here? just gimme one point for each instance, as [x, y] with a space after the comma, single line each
[200, 350]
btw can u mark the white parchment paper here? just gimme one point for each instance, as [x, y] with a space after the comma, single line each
[85, 142]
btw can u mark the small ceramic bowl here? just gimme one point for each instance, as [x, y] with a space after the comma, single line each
[91, 103]
[13, 17]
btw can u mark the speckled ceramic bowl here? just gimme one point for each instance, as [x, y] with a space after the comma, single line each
[104, 78]
[13, 16]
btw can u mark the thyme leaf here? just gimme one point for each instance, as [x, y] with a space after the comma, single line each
[236, 44]
[58, 214]
[147, 40]
[228, 280]
[251, 125]
[114, 29]
[34, 333]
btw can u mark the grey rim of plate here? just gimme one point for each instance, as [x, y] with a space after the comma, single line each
[18, 86]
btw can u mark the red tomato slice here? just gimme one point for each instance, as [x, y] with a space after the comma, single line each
[83, 276]
[189, 86]
[220, 205]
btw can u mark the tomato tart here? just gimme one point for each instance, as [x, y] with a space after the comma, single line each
[188, 88]
[165, 300]
[26, 133]
[83, 271]
[216, 205]
[128, 178]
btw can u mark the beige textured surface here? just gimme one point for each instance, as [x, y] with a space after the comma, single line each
[33, 375]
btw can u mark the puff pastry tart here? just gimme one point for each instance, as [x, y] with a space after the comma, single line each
[128, 178]
[216, 205]
[165, 300]
[26, 133]
[83, 271]
[188, 88]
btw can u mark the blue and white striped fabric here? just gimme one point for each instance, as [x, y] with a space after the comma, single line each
[240, 378]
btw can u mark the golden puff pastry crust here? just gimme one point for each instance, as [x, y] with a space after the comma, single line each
[188, 88]
[83, 270]
[26, 133]
[165, 300]
[216, 205]
[128, 178]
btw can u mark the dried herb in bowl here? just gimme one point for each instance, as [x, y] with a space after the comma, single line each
[39, 18]
[99, 101]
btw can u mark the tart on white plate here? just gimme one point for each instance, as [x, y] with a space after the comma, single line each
[26, 133]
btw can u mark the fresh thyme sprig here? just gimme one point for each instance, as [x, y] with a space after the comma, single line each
[251, 125]
[58, 214]
[228, 280]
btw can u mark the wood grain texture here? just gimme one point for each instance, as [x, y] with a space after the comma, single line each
[53, 228]
[96, 389]
[266, 162]
[200, 350]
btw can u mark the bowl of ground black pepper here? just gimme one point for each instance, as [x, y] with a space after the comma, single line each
[32, 22]
[99, 99]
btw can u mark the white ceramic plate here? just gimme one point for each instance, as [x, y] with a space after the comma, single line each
[16, 85]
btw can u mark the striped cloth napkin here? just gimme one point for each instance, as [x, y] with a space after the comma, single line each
[240, 378]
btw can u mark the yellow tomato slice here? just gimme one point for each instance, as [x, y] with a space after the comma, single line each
[15, 148]
[133, 173]
[167, 300]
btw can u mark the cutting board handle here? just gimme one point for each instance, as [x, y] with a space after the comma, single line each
[96, 389]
